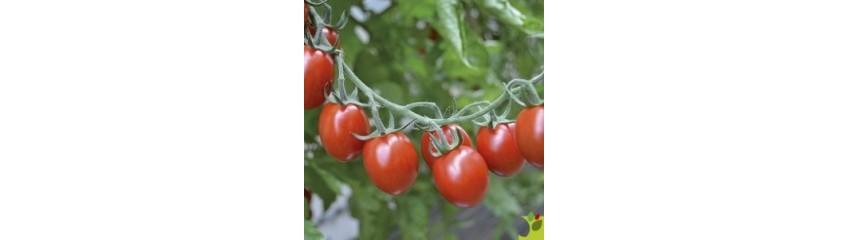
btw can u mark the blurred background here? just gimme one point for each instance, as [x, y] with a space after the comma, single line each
[410, 51]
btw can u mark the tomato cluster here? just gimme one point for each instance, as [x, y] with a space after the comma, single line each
[460, 173]
[318, 67]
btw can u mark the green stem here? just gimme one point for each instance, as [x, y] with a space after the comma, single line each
[406, 110]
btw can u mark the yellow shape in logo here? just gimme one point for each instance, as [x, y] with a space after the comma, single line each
[537, 227]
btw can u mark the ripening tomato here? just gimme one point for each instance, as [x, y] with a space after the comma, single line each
[425, 142]
[318, 76]
[391, 162]
[331, 34]
[461, 176]
[530, 134]
[336, 126]
[498, 148]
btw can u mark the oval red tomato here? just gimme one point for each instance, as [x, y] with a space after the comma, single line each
[530, 134]
[461, 177]
[318, 76]
[498, 148]
[331, 34]
[391, 162]
[336, 126]
[425, 142]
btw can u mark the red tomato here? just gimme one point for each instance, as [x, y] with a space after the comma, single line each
[318, 76]
[425, 142]
[462, 177]
[336, 126]
[498, 148]
[391, 162]
[530, 134]
[331, 34]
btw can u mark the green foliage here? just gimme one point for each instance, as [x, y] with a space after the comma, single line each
[482, 44]
[310, 231]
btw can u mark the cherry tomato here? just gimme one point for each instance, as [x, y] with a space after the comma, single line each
[530, 134]
[391, 162]
[336, 126]
[498, 148]
[461, 176]
[425, 142]
[318, 76]
[331, 34]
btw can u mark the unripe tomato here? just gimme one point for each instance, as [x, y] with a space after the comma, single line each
[461, 177]
[425, 142]
[498, 148]
[318, 76]
[391, 162]
[336, 126]
[331, 34]
[530, 134]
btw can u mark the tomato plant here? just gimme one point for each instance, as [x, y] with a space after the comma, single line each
[391, 162]
[530, 132]
[318, 75]
[427, 146]
[461, 176]
[337, 126]
[408, 69]
[498, 148]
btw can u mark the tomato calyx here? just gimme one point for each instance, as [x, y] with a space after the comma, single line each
[441, 146]
[319, 39]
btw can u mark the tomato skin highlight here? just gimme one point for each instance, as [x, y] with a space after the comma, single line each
[391, 162]
[336, 126]
[530, 134]
[425, 142]
[318, 76]
[461, 176]
[332, 35]
[499, 149]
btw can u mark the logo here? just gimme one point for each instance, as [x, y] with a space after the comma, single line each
[537, 227]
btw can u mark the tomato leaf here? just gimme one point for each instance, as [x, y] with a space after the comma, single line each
[368, 206]
[511, 16]
[449, 26]
[322, 183]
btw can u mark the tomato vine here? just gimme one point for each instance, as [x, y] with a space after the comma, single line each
[459, 172]
[511, 92]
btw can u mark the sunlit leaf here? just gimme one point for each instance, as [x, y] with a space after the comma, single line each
[449, 26]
